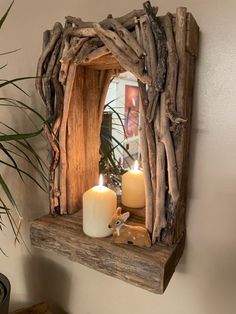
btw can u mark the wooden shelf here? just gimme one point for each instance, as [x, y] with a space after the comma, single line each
[147, 268]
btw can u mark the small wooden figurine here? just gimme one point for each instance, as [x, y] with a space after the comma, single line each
[128, 234]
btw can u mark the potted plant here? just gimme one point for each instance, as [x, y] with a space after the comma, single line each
[15, 146]
[5, 289]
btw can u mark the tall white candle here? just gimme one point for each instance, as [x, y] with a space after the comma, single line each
[133, 193]
[99, 205]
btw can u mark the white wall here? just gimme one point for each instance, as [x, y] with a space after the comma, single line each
[205, 280]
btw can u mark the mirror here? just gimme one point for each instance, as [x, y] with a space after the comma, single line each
[120, 141]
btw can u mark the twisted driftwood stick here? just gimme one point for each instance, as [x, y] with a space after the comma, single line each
[48, 92]
[180, 38]
[94, 55]
[127, 37]
[160, 38]
[68, 55]
[148, 184]
[121, 52]
[62, 139]
[160, 220]
[172, 72]
[151, 65]
[49, 46]
[166, 139]
[53, 166]
[127, 20]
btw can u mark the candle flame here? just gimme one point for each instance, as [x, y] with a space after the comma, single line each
[135, 165]
[100, 180]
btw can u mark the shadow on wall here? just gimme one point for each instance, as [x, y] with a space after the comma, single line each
[50, 283]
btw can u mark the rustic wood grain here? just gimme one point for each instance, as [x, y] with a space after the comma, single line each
[126, 20]
[83, 140]
[147, 268]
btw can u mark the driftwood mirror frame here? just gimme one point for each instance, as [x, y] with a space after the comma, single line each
[73, 76]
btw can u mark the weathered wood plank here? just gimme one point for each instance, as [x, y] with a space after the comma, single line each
[83, 139]
[150, 269]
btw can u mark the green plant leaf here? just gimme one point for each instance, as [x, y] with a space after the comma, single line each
[28, 160]
[16, 102]
[8, 52]
[20, 136]
[8, 193]
[5, 14]
[119, 118]
[111, 137]
[12, 82]
[28, 147]
[1, 250]
[7, 153]
[25, 173]
[12, 221]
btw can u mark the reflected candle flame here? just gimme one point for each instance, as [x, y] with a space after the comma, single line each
[135, 167]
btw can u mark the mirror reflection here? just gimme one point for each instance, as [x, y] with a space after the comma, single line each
[120, 141]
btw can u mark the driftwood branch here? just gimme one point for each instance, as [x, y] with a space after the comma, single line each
[160, 38]
[165, 138]
[180, 38]
[62, 139]
[49, 46]
[96, 54]
[126, 36]
[52, 169]
[125, 61]
[48, 93]
[151, 65]
[87, 47]
[118, 42]
[160, 220]
[126, 20]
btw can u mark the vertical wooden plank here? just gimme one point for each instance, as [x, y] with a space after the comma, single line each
[84, 125]
[83, 139]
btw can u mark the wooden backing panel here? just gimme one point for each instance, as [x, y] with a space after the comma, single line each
[83, 137]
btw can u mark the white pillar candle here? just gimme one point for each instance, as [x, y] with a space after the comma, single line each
[133, 192]
[99, 205]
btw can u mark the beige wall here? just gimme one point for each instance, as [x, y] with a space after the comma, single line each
[205, 280]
